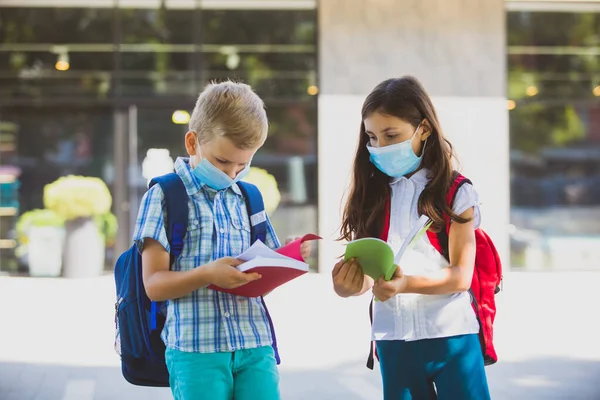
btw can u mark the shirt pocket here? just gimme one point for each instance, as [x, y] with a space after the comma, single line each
[240, 222]
[199, 237]
[239, 233]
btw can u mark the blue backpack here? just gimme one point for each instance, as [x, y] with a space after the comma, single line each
[139, 321]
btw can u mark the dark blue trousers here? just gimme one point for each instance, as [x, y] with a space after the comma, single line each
[446, 369]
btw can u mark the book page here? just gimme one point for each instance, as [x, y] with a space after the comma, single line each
[259, 249]
[418, 230]
[273, 263]
[291, 251]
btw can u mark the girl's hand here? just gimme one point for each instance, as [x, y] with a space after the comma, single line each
[384, 290]
[348, 278]
[305, 247]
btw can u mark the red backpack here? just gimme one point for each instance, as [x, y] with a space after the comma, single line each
[487, 276]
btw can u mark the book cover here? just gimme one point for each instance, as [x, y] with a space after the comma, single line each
[276, 267]
[377, 258]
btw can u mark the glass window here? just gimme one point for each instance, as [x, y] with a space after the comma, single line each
[274, 51]
[137, 63]
[554, 102]
[157, 54]
[55, 53]
[158, 25]
[56, 25]
[56, 141]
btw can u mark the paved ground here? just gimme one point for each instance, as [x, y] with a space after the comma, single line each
[56, 341]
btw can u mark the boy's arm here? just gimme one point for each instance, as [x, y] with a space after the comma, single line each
[162, 284]
[271, 239]
[273, 242]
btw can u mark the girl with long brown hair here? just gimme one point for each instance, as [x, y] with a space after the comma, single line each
[424, 327]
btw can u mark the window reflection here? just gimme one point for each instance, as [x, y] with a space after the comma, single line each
[86, 69]
[555, 138]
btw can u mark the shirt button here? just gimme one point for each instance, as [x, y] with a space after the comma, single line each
[195, 222]
[222, 230]
[227, 315]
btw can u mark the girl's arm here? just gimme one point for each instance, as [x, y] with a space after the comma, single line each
[453, 279]
[457, 277]
[367, 285]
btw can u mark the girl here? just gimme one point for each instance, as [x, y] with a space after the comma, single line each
[425, 330]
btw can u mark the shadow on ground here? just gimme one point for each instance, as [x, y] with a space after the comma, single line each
[541, 378]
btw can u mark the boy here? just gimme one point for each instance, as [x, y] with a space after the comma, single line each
[218, 345]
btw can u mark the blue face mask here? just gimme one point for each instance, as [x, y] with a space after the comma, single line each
[214, 178]
[396, 160]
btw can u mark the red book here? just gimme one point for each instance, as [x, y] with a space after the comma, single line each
[275, 266]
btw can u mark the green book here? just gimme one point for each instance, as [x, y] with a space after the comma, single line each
[377, 258]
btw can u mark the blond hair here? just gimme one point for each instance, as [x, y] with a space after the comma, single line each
[232, 110]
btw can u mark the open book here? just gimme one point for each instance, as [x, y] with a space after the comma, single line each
[376, 257]
[275, 266]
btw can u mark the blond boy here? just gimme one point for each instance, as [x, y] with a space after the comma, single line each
[218, 345]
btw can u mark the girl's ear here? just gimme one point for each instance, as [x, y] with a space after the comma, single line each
[425, 130]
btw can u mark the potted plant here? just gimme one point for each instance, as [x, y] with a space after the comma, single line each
[79, 201]
[40, 234]
[267, 185]
[107, 225]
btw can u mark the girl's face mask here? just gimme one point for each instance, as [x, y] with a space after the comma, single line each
[398, 159]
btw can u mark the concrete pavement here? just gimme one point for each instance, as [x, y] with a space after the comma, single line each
[56, 340]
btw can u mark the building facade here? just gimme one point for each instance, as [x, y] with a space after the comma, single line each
[104, 88]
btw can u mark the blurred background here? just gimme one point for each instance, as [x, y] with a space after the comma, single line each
[94, 100]
[95, 88]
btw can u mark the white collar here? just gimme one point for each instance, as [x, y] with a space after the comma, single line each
[418, 177]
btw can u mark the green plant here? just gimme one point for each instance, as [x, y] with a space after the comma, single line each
[74, 197]
[36, 218]
[107, 225]
[267, 185]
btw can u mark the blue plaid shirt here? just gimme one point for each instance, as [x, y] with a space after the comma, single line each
[207, 321]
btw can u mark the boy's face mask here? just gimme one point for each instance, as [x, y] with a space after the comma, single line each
[211, 175]
[398, 159]
[214, 178]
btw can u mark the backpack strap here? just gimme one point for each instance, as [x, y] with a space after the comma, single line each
[440, 240]
[386, 222]
[176, 201]
[258, 231]
[256, 211]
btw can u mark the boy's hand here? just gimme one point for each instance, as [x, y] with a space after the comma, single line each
[385, 290]
[222, 273]
[305, 247]
[348, 278]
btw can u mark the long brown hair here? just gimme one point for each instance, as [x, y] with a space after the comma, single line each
[365, 211]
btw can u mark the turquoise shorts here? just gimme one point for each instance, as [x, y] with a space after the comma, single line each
[248, 374]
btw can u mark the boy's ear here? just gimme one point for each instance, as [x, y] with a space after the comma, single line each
[191, 143]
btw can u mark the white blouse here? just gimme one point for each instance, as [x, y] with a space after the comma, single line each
[415, 316]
